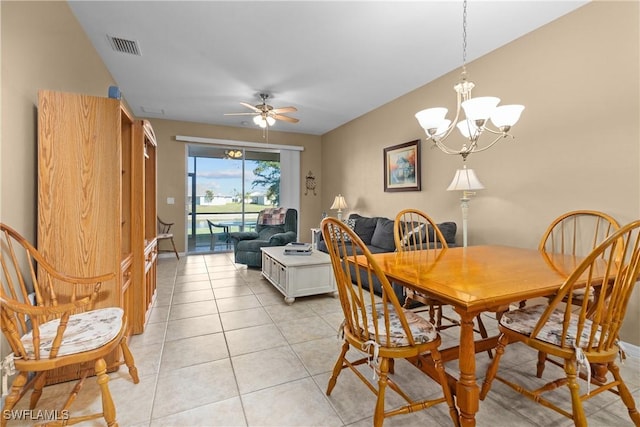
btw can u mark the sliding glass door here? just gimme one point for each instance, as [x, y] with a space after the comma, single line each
[226, 188]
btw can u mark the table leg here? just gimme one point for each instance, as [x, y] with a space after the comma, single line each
[467, 390]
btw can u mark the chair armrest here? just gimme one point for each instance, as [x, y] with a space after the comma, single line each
[243, 235]
[281, 239]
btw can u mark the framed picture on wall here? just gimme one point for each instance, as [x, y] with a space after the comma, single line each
[402, 167]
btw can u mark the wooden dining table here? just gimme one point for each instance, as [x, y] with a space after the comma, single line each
[473, 280]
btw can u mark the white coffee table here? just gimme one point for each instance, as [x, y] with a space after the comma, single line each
[298, 275]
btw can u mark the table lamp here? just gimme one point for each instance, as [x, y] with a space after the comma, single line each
[339, 203]
[466, 181]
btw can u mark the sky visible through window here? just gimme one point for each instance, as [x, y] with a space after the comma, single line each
[224, 176]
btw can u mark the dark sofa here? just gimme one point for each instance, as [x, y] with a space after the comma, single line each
[377, 234]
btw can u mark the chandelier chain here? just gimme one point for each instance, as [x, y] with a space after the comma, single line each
[464, 37]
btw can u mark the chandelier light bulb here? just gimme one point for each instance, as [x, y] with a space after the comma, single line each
[271, 121]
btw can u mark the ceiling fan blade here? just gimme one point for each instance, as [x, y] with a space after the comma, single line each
[251, 107]
[285, 118]
[284, 110]
[241, 114]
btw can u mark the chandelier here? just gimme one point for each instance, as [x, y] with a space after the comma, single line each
[478, 112]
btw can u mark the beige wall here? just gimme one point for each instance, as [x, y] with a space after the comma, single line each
[577, 144]
[43, 47]
[172, 172]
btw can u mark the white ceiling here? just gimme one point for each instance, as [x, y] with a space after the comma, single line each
[332, 60]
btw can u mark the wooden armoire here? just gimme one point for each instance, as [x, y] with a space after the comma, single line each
[97, 200]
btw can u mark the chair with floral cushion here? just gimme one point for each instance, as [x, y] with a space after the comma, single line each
[415, 230]
[48, 328]
[379, 327]
[579, 335]
[576, 233]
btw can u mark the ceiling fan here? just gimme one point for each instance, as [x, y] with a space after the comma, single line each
[264, 114]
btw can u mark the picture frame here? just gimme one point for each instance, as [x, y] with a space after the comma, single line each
[402, 167]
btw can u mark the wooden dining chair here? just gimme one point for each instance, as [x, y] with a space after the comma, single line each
[164, 233]
[48, 328]
[380, 328]
[415, 230]
[576, 233]
[579, 335]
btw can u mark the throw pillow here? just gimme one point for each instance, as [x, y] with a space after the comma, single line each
[364, 227]
[383, 235]
[415, 235]
[351, 223]
[448, 229]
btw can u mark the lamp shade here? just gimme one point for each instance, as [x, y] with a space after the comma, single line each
[465, 180]
[506, 115]
[480, 108]
[431, 118]
[468, 128]
[339, 203]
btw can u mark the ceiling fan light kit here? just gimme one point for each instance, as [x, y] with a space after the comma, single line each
[265, 115]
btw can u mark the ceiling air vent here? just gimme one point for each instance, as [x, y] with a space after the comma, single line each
[123, 45]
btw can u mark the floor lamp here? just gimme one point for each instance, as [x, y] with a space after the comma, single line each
[465, 180]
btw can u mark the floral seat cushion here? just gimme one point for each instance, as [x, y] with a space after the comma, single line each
[525, 319]
[85, 331]
[422, 330]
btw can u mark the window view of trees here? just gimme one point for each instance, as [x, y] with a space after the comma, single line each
[268, 174]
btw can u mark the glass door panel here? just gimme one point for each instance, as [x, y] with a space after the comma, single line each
[226, 190]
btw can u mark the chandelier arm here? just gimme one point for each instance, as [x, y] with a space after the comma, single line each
[496, 131]
[446, 149]
[486, 147]
[450, 128]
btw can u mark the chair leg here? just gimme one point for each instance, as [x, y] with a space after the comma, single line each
[493, 368]
[378, 415]
[579, 418]
[129, 361]
[108, 408]
[435, 315]
[337, 368]
[483, 333]
[442, 377]
[13, 397]
[38, 385]
[625, 394]
[174, 248]
[542, 359]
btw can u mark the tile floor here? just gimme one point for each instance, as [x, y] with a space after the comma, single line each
[223, 349]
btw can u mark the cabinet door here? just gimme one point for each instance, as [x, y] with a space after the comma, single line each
[79, 187]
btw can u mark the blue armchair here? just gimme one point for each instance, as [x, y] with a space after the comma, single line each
[274, 227]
